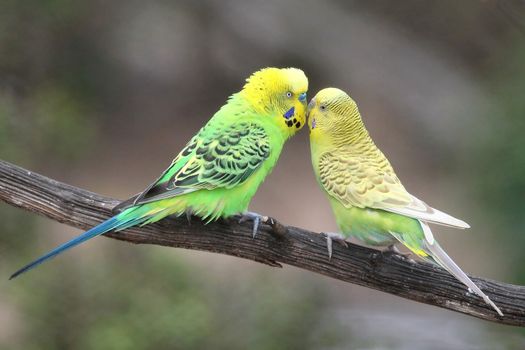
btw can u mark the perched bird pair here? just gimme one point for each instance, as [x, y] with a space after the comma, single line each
[219, 170]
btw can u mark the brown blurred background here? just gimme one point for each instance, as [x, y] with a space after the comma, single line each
[102, 95]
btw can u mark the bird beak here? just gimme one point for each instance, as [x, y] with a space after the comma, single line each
[311, 105]
[309, 114]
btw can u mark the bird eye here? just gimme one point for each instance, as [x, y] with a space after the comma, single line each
[289, 94]
[322, 107]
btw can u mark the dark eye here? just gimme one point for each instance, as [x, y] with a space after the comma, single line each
[322, 107]
[289, 94]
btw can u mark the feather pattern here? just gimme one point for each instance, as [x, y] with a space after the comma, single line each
[363, 177]
[220, 169]
[222, 158]
[368, 199]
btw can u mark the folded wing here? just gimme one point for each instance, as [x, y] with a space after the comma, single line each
[224, 157]
[370, 182]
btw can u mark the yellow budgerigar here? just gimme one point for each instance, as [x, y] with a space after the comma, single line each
[367, 198]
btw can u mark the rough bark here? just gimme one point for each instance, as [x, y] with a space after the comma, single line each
[274, 245]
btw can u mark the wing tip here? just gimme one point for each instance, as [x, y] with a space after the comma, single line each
[445, 219]
[119, 208]
[461, 224]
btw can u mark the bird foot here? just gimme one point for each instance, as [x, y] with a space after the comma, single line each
[257, 220]
[333, 236]
[392, 249]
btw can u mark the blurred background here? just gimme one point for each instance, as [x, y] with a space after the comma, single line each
[102, 95]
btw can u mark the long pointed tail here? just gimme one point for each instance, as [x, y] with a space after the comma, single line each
[442, 258]
[129, 217]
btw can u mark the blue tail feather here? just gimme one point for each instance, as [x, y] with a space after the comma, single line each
[118, 222]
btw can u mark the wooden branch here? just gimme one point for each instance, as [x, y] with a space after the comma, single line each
[275, 244]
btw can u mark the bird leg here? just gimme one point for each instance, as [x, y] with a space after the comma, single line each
[392, 248]
[256, 218]
[333, 236]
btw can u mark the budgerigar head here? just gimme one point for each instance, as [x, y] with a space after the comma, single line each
[333, 114]
[279, 93]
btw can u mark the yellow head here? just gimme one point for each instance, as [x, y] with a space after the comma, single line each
[333, 115]
[279, 93]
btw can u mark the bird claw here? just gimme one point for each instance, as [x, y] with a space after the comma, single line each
[392, 249]
[257, 220]
[332, 236]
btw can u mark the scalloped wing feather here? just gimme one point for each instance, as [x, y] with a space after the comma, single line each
[370, 182]
[222, 157]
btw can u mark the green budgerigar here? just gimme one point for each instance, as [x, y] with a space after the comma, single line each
[367, 198]
[219, 170]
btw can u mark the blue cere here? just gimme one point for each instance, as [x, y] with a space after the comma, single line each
[302, 97]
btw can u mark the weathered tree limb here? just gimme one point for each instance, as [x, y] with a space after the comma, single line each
[275, 244]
